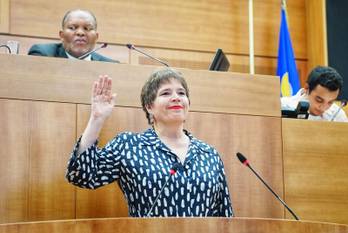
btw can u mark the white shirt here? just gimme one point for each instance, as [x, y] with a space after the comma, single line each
[334, 113]
[88, 58]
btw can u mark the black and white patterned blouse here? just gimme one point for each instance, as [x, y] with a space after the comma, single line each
[141, 164]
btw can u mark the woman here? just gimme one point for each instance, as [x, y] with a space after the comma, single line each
[163, 171]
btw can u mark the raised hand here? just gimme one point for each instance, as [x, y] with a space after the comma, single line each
[103, 100]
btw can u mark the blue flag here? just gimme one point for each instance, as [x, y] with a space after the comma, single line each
[289, 80]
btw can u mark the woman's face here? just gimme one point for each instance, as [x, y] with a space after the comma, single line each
[171, 104]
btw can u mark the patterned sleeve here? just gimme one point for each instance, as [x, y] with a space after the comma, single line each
[223, 207]
[96, 167]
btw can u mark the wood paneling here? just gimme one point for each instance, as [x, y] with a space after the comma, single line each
[36, 138]
[52, 137]
[175, 225]
[191, 25]
[5, 16]
[316, 33]
[267, 25]
[30, 74]
[14, 160]
[315, 169]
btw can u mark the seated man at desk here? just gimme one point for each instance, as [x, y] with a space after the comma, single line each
[321, 90]
[78, 38]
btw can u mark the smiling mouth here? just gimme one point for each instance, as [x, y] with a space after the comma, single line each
[176, 107]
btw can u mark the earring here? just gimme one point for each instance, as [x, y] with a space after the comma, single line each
[151, 119]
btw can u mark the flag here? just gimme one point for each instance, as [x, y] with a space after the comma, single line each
[286, 70]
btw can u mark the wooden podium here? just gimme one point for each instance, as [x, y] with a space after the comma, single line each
[44, 106]
[174, 225]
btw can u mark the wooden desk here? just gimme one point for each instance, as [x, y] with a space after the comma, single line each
[316, 169]
[175, 225]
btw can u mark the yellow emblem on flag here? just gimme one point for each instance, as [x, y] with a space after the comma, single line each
[285, 85]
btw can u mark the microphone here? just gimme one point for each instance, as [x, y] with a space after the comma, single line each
[7, 47]
[92, 51]
[130, 46]
[343, 103]
[244, 161]
[176, 167]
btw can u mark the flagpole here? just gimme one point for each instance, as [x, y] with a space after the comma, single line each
[251, 38]
[283, 4]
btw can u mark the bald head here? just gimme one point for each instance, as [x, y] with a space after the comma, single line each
[78, 14]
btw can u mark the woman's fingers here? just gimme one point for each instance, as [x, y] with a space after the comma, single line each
[95, 89]
[102, 86]
[105, 85]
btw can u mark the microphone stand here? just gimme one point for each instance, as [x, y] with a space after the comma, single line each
[172, 172]
[343, 103]
[92, 51]
[244, 161]
[130, 46]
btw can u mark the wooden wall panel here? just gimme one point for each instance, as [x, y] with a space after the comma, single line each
[267, 25]
[4, 16]
[53, 132]
[37, 138]
[315, 169]
[189, 25]
[316, 33]
[14, 160]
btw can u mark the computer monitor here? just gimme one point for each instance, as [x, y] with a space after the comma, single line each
[220, 61]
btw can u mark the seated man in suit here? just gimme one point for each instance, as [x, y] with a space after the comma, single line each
[321, 90]
[78, 37]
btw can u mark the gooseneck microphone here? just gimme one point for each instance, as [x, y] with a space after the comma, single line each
[92, 51]
[176, 167]
[343, 103]
[6, 46]
[244, 161]
[130, 46]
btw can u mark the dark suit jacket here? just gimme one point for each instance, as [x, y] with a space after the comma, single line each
[57, 50]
